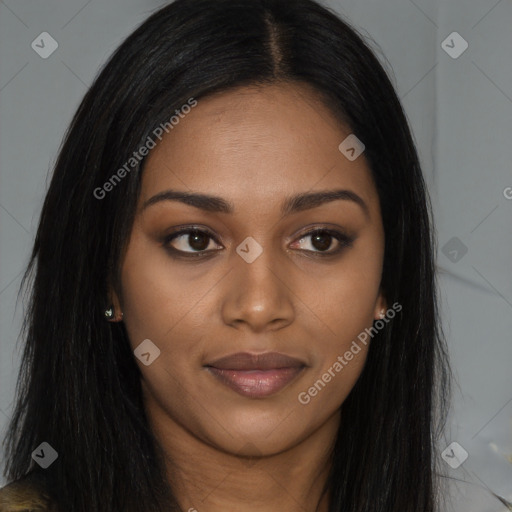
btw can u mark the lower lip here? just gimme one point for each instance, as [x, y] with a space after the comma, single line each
[256, 383]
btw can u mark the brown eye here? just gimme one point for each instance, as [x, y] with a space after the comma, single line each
[322, 241]
[189, 241]
[198, 241]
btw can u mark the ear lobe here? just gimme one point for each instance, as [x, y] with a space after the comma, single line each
[113, 311]
[380, 306]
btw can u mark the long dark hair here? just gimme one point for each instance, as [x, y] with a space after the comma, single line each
[79, 387]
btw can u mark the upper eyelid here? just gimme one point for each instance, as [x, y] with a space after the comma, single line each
[187, 230]
[191, 229]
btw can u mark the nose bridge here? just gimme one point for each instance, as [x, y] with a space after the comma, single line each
[257, 293]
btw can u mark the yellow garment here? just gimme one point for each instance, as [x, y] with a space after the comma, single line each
[23, 496]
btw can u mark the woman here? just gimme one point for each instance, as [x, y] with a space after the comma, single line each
[234, 302]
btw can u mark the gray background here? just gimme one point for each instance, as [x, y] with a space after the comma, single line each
[460, 110]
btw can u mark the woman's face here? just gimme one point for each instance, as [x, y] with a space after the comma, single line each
[259, 277]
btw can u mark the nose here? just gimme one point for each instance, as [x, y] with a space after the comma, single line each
[257, 295]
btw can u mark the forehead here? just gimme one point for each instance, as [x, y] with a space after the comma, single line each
[254, 145]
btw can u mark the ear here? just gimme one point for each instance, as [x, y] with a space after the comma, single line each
[115, 304]
[381, 305]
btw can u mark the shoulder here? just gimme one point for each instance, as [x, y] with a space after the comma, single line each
[24, 495]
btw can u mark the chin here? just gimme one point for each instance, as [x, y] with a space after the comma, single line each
[263, 433]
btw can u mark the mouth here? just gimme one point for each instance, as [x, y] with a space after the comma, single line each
[256, 375]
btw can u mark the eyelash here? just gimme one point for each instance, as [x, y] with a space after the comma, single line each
[343, 240]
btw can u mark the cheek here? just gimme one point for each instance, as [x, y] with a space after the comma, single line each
[342, 298]
[340, 347]
[145, 298]
[342, 307]
[157, 294]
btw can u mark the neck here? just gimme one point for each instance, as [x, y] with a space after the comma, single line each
[205, 478]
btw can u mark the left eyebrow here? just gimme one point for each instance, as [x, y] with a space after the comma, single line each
[301, 202]
[293, 204]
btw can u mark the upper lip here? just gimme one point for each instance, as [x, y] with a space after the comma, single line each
[245, 361]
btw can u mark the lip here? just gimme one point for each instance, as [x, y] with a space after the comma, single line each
[256, 375]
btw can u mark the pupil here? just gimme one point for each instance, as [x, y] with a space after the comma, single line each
[321, 241]
[198, 241]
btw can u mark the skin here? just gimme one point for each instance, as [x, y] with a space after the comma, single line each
[254, 147]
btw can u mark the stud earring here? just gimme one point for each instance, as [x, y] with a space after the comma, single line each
[382, 314]
[109, 312]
